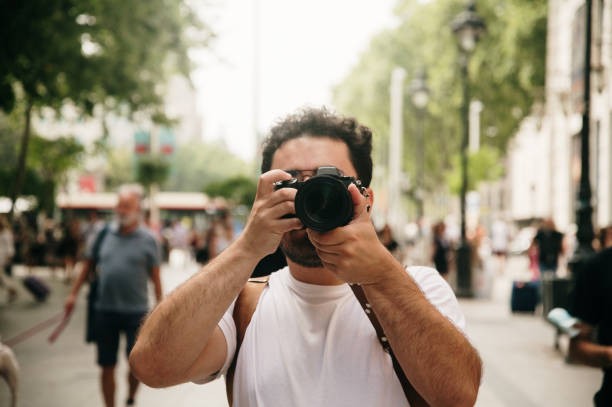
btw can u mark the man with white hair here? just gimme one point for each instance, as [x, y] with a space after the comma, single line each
[126, 256]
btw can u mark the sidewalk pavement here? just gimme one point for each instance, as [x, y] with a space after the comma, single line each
[521, 367]
[65, 374]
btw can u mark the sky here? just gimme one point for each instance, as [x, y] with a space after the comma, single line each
[304, 49]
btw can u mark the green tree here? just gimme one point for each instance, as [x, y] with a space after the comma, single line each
[109, 53]
[152, 170]
[485, 165]
[120, 168]
[240, 190]
[507, 74]
[195, 165]
[192, 167]
[50, 161]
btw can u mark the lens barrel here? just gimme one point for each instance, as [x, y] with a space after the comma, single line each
[323, 203]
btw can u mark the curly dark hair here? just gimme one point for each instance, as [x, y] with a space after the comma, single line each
[320, 122]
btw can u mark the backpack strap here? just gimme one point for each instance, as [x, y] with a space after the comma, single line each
[95, 252]
[244, 308]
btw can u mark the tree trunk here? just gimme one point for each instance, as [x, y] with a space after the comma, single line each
[21, 162]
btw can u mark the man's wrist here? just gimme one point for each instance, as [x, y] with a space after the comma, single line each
[248, 248]
[386, 273]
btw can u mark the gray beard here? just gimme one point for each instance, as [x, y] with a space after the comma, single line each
[300, 251]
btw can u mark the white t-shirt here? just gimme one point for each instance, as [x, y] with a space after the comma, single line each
[310, 345]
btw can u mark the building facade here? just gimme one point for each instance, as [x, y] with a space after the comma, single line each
[544, 157]
[180, 104]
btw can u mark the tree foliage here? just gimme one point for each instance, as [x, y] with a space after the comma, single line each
[93, 51]
[107, 53]
[192, 167]
[507, 73]
[152, 170]
[240, 190]
[120, 168]
[195, 165]
[50, 161]
[484, 165]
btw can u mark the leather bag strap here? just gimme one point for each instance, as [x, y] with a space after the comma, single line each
[413, 396]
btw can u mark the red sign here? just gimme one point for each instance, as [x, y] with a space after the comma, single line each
[87, 183]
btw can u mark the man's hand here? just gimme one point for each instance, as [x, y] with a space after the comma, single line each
[69, 304]
[266, 225]
[353, 252]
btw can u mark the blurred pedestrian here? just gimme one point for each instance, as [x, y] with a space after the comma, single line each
[549, 242]
[500, 239]
[440, 249]
[127, 257]
[180, 247]
[480, 258]
[7, 246]
[309, 342]
[199, 247]
[478, 247]
[69, 247]
[592, 305]
[385, 235]
[500, 236]
[7, 251]
[50, 237]
[604, 239]
[220, 234]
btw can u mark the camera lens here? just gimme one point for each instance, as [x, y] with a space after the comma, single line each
[324, 203]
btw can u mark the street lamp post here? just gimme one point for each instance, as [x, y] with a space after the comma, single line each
[584, 209]
[419, 94]
[468, 27]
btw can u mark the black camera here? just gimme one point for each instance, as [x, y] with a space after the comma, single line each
[323, 202]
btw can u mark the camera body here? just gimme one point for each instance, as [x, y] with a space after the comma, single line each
[323, 201]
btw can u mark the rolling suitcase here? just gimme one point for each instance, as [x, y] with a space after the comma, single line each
[525, 296]
[37, 287]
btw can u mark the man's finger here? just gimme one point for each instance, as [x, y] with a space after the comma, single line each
[266, 181]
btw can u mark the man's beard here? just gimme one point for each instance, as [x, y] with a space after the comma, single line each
[296, 246]
[128, 219]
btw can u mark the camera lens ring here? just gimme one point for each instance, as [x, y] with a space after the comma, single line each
[324, 203]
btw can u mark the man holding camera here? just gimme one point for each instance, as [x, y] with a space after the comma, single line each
[304, 338]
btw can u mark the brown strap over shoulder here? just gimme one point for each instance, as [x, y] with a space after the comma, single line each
[413, 396]
[243, 312]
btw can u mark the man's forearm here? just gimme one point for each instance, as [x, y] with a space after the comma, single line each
[76, 286]
[590, 353]
[436, 357]
[178, 329]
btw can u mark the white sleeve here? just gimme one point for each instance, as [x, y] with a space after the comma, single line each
[228, 327]
[439, 294]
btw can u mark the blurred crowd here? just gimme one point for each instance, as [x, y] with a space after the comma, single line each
[547, 251]
[35, 240]
[181, 241]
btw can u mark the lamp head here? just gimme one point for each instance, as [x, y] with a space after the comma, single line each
[419, 92]
[468, 27]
